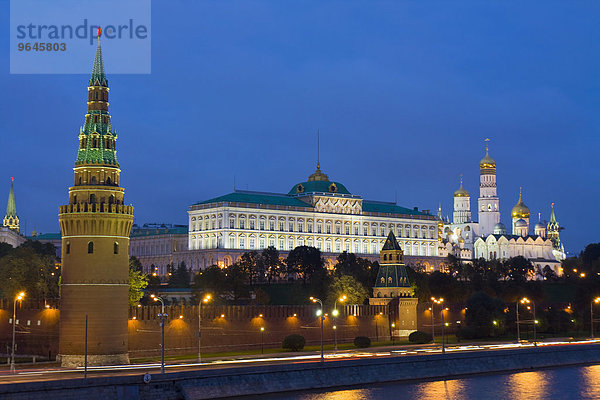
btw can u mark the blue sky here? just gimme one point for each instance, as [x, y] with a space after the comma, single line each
[403, 93]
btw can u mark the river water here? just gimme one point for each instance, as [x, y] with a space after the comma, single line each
[557, 383]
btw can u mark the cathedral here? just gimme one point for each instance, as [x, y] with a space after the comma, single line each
[488, 237]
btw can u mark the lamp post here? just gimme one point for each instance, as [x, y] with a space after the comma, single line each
[518, 329]
[19, 297]
[335, 313]
[525, 300]
[432, 324]
[393, 325]
[162, 329]
[204, 300]
[596, 300]
[262, 342]
[440, 301]
[320, 314]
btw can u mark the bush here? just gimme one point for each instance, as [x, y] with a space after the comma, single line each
[293, 342]
[362, 342]
[420, 337]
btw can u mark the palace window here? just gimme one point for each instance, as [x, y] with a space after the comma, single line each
[261, 243]
[262, 225]
[231, 223]
[281, 226]
[309, 228]
[251, 243]
[90, 247]
[242, 223]
[242, 243]
[319, 228]
[251, 224]
[272, 225]
[231, 243]
[68, 248]
[338, 229]
[347, 230]
[291, 227]
[328, 228]
[116, 248]
[300, 226]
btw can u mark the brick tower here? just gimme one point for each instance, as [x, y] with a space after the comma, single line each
[95, 228]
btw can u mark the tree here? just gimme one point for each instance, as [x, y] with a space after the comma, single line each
[23, 269]
[180, 278]
[138, 281]
[235, 282]
[272, 262]
[305, 261]
[518, 268]
[212, 280]
[346, 285]
[363, 270]
[252, 264]
[482, 311]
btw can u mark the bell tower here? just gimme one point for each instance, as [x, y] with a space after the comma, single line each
[95, 227]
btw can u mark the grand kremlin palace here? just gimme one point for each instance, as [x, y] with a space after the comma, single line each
[318, 212]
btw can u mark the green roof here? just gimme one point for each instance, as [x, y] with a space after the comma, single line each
[11, 207]
[46, 236]
[319, 187]
[141, 231]
[391, 243]
[257, 198]
[397, 273]
[388, 208]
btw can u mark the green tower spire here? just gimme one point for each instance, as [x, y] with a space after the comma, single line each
[98, 76]
[11, 220]
[11, 208]
[97, 140]
[392, 271]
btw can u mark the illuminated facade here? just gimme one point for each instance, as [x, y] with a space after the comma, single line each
[318, 212]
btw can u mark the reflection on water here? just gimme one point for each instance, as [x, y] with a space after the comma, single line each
[558, 383]
[438, 390]
[528, 385]
[590, 386]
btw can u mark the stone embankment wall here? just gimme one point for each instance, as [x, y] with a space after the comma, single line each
[224, 328]
[235, 382]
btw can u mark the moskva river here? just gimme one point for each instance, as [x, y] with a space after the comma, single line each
[557, 383]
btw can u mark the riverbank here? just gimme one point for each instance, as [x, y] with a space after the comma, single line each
[241, 381]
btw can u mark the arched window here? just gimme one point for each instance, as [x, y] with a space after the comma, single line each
[116, 248]
[94, 180]
[92, 198]
[111, 199]
[90, 247]
[68, 248]
[108, 181]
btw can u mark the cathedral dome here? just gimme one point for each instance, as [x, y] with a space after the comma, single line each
[521, 223]
[461, 192]
[539, 225]
[520, 210]
[499, 229]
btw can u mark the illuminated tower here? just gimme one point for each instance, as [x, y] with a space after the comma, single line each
[520, 217]
[488, 202]
[462, 205]
[95, 228]
[11, 220]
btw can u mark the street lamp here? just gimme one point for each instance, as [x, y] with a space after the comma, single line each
[162, 329]
[262, 342]
[440, 301]
[393, 325]
[19, 297]
[596, 300]
[204, 300]
[320, 314]
[335, 313]
[518, 329]
[525, 300]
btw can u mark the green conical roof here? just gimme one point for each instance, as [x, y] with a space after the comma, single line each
[11, 207]
[391, 243]
[98, 77]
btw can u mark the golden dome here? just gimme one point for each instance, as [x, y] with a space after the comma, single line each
[520, 210]
[461, 192]
[487, 161]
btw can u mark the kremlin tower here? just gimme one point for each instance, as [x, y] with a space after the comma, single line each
[95, 227]
[11, 220]
[488, 202]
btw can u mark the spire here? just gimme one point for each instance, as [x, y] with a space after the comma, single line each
[98, 77]
[461, 192]
[11, 208]
[11, 220]
[391, 243]
[552, 216]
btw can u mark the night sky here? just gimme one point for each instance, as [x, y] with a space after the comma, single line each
[403, 93]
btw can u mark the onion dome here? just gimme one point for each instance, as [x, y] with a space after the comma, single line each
[539, 225]
[520, 210]
[318, 182]
[521, 223]
[499, 229]
[487, 162]
[461, 192]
